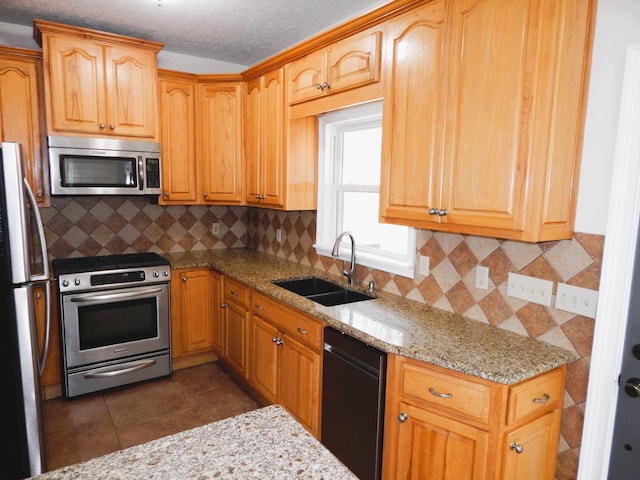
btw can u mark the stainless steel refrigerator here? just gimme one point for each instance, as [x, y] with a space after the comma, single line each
[23, 265]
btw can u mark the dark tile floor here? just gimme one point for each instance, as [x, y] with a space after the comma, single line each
[83, 428]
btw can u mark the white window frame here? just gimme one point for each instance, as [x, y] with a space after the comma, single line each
[329, 215]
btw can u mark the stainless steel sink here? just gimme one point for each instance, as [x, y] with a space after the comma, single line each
[322, 291]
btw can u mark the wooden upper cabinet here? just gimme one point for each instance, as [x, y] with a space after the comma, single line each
[220, 142]
[264, 140]
[178, 140]
[483, 134]
[413, 117]
[98, 83]
[20, 107]
[349, 63]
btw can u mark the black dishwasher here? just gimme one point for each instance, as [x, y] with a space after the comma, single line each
[353, 383]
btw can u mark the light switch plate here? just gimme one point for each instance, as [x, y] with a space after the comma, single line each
[215, 228]
[423, 266]
[278, 235]
[582, 301]
[532, 289]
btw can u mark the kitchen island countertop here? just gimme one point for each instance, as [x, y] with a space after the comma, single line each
[393, 323]
[262, 444]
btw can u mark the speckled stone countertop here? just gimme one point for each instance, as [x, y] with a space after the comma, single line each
[392, 323]
[262, 444]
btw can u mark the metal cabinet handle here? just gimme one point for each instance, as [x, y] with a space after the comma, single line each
[101, 126]
[258, 306]
[302, 330]
[112, 126]
[545, 398]
[233, 292]
[184, 279]
[516, 447]
[224, 305]
[204, 195]
[442, 212]
[277, 340]
[438, 394]
[166, 194]
[403, 417]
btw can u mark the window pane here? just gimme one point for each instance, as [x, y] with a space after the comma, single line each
[360, 217]
[361, 156]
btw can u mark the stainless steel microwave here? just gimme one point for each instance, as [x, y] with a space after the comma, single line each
[103, 166]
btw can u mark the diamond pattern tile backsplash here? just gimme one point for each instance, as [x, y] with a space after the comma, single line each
[83, 226]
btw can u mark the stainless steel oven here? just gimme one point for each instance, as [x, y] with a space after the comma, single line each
[115, 320]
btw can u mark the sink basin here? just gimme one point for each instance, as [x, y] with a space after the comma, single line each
[322, 291]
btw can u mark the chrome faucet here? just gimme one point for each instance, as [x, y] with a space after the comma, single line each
[351, 273]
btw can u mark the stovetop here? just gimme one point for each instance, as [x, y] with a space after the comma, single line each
[64, 266]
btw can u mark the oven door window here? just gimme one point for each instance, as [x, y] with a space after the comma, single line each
[93, 171]
[113, 323]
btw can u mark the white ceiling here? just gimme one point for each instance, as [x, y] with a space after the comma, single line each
[237, 31]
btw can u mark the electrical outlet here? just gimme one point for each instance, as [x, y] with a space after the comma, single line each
[482, 277]
[215, 228]
[582, 301]
[279, 235]
[532, 289]
[423, 266]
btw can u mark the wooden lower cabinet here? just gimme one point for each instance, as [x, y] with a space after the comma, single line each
[195, 312]
[286, 359]
[441, 424]
[236, 324]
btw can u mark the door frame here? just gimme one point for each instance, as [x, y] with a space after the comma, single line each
[615, 282]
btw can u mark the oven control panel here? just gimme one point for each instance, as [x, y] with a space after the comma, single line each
[74, 282]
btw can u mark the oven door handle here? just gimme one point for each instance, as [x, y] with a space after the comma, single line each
[122, 371]
[115, 296]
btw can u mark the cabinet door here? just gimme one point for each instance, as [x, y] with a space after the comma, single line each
[178, 122]
[413, 120]
[131, 76]
[264, 359]
[354, 61]
[252, 141]
[221, 143]
[489, 98]
[305, 75]
[531, 451]
[217, 319]
[235, 350]
[77, 89]
[433, 446]
[20, 117]
[300, 384]
[196, 310]
[273, 170]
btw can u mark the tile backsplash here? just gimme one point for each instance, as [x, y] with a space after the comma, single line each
[83, 226]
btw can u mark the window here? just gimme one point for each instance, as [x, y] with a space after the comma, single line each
[349, 156]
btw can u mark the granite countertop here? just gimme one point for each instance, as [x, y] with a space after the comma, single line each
[392, 323]
[261, 444]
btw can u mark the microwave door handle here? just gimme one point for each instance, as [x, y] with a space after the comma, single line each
[115, 296]
[41, 238]
[141, 171]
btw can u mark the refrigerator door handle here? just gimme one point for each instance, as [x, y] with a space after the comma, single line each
[44, 353]
[41, 237]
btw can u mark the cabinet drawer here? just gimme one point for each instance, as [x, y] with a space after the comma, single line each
[236, 292]
[538, 394]
[297, 325]
[447, 391]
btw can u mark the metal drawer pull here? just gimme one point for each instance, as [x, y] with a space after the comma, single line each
[403, 417]
[545, 398]
[302, 330]
[516, 447]
[277, 340]
[122, 371]
[233, 292]
[438, 394]
[258, 306]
